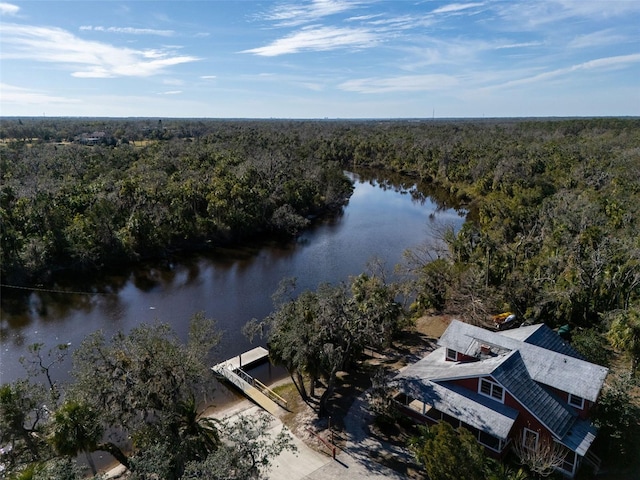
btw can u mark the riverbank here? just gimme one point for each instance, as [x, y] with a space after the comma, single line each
[117, 471]
[381, 221]
[359, 453]
[287, 466]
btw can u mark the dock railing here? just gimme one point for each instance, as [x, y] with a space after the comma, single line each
[262, 387]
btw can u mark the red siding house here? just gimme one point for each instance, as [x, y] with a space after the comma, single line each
[524, 385]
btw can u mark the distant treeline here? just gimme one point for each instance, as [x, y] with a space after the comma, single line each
[73, 205]
[556, 234]
[556, 202]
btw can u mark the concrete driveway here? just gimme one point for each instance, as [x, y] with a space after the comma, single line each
[354, 462]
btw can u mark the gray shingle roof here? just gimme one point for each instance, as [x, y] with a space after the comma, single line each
[521, 360]
[542, 336]
[431, 378]
[434, 367]
[512, 374]
[580, 437]
[548, 367]
[470, 407]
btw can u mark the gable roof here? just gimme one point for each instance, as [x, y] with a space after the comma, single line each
[512, 374]
[542, 336]
[546, 366]
[472, 408]
[430, 381]
[434, 367]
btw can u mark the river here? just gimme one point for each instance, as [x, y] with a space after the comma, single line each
[381, 220]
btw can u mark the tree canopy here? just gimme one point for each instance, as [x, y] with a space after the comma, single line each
[77, 206]
[320, 333]
[552, 234]
[449, 454]
[136, 396]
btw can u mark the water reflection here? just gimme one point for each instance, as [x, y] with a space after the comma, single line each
[232, 285]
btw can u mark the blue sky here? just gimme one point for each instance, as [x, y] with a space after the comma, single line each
[323, 58]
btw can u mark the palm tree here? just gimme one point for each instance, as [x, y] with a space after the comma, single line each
[76, 429]
[624, 334]
[197, 435]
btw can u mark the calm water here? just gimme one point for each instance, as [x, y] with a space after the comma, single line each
[234, 286]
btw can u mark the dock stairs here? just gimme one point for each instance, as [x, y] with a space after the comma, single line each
[231, 370]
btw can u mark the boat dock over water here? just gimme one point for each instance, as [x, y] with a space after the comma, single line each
[231, 370]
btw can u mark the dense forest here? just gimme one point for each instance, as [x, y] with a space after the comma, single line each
[552, 234]
[73, 205]
[554, 202]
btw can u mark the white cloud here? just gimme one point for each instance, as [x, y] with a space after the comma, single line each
[534, 14]
[10, 94]
[208, 77]
[8, 8]
[406, 83]
[317, 39]
[518, 45]
[598, 39]
[171, 92]
[294, 14]
[593, 9]
[607, 63]
[362, 18]
[129, 30]
[399, 23]
[457, 7]
[316, 87]
[86, 59]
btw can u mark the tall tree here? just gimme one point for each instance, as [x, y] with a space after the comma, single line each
[323, 332]
[624, 334]
[75, 429]
[60, 469]
[22, 421]
[247, 452]
[198, 434]
[40, 364]
[144, 383]
[294, 341]
[618, 417]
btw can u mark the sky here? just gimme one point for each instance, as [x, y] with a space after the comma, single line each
[320, 58]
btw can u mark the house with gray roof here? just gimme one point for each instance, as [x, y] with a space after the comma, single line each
[523, 385]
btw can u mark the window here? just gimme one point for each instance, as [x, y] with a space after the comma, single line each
[434, 414]
[452, 355]
[453, 421]
[576, 401]
[490, 441]
[569, 461]
[491, 389]
[530, 439]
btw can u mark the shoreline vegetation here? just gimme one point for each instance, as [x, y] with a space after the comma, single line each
[81, 194]
[552, 235]
[301, 418]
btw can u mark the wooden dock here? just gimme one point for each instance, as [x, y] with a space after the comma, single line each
[245, 360]
[231, 371]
